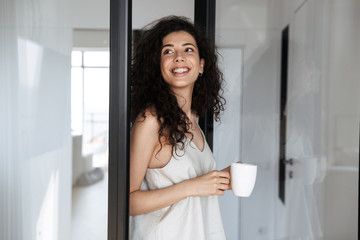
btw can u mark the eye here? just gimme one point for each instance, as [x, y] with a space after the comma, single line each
[167, 51]
[189, 50]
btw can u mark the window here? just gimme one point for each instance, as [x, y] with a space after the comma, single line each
[90, 101]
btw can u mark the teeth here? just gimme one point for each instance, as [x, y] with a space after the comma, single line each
[180, 70]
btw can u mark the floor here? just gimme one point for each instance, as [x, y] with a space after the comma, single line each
[89, 211]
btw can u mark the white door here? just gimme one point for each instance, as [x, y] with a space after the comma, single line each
[299, 214]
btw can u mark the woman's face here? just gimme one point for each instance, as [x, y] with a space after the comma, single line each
[180, 60]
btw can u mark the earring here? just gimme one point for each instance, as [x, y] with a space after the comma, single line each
[200, 74]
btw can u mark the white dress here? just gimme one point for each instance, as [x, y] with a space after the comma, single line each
[193, 218]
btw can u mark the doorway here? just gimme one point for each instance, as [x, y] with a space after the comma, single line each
[263, 215]
[36, 155]
[121, 32]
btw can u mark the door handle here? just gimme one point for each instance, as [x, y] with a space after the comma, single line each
[289, 161]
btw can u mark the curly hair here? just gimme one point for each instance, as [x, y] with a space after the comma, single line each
[150, 91]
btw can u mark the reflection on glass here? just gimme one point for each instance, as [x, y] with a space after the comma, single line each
[47, 224]
[322, 110]
[40, 156]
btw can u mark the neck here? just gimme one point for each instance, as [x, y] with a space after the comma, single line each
[184, 99]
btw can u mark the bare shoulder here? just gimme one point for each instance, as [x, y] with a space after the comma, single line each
[146, 149]
[143, 142]
[147, 120]
[146, 128]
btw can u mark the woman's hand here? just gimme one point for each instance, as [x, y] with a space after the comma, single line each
[228, 171]
[212, 183]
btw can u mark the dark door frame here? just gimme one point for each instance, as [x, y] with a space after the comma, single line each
[119, 110]
[119, 120]
[205, 11]
[283, 101]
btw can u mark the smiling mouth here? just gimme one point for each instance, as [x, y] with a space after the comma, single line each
[180, 70]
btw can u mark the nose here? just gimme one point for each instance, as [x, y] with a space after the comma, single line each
[179, 58]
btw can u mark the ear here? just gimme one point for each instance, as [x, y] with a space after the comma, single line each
[202, 64]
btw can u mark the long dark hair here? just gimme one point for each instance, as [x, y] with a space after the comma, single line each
[150, 91]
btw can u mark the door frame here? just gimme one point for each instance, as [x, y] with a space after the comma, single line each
[119, 118]
[282, 117]
[119, 107]
[205, 16]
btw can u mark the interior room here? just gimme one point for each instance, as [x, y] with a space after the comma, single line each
[293, 109]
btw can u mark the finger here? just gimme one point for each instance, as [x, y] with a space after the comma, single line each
[222, 180]
[224, 174]
[223, 187]
[220, 192]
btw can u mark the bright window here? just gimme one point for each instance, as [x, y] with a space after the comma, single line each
[90, 99]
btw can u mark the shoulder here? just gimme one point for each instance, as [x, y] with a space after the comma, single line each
[147, 119]
[146, 127]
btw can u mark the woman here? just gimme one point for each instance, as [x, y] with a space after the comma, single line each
[173, 181]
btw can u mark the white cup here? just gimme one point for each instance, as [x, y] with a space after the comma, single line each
[243, 177]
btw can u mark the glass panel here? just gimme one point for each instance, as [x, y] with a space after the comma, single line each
[90, 186]
[41, 101]
[35, 125]
[76, 58]
[341, 120]
[322, 116]
[96, 109]
[96, 59]
[227, 140]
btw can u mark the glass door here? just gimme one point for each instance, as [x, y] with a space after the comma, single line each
[51, 186]
[320, 145]
[322, 128]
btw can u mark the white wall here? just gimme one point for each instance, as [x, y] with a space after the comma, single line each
[35, 144]
[343, 81]
[145, 12]
[332, 52]
[88, 14]
[343, 114]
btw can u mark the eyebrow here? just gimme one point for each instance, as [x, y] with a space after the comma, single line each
[172, 45]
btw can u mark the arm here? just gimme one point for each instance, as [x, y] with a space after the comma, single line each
[143, 142]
